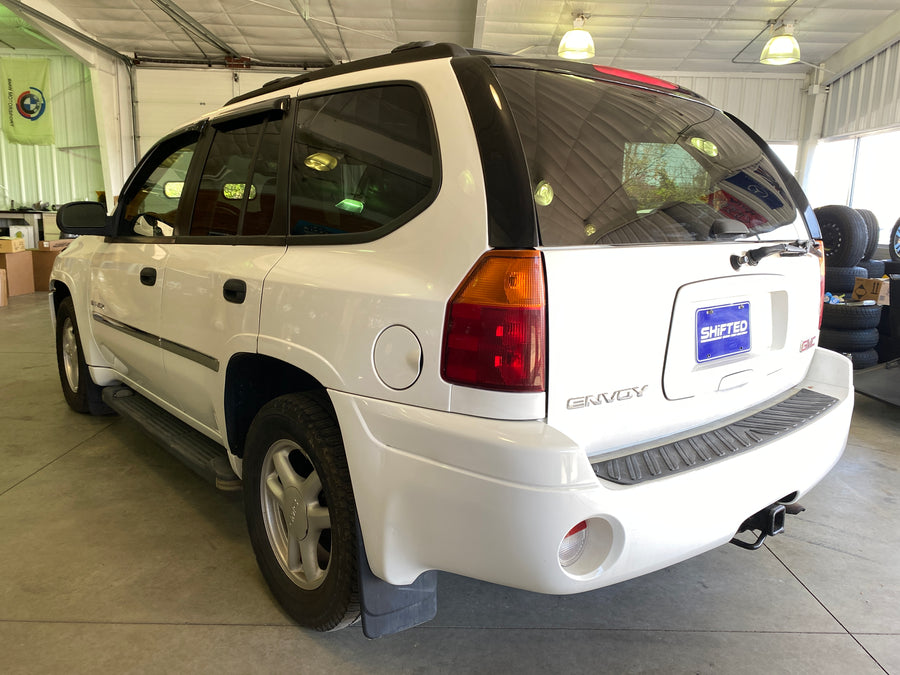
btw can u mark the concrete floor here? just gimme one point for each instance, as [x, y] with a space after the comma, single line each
[115, 558]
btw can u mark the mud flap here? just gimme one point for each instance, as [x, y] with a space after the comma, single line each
[387, 609]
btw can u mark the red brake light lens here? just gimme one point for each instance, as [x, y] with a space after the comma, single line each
[635, 77]
[819, 251]
[495, 334]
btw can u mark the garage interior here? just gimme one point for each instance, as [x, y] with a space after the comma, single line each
[115, 557]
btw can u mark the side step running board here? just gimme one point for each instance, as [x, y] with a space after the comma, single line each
[202, 455]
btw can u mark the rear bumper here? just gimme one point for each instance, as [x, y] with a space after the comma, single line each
[492, 499]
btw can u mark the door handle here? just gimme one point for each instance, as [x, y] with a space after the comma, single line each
[148, 276]
[235, 290]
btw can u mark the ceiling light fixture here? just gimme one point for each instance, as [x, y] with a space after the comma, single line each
[577, 43]
[782, 48]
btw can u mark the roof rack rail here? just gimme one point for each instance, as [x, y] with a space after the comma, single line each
[410, 52]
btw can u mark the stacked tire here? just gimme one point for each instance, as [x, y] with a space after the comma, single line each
[845, 235]
[875, 268]
[852, 329]
[850, 237]
[894, 243]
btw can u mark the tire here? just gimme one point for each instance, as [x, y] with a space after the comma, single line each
[875, 268]
[872, 232]
[841, 279]
[863, 359]
[82, 394]
[844, 235]
[849, 317]
[894, 242]
[891, 267]
[848, 340]
[294, 453]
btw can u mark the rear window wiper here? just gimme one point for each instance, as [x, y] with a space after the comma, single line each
[753, 256]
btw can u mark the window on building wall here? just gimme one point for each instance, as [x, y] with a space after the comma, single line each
[787, 153]
[831, 173]
[875, 184]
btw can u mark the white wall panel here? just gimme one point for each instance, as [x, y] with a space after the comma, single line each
[769, 104]
[169, 97]
[867, 98]
[68, 170]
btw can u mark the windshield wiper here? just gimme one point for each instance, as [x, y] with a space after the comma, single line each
[753, 256]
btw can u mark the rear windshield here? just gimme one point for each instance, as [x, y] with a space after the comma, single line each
[612, 164]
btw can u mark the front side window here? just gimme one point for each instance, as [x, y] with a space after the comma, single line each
[363, 161]
[612, 164]
[153, 203]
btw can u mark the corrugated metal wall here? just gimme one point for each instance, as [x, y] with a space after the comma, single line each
[867, 98]
[68, 170]
[770, 105]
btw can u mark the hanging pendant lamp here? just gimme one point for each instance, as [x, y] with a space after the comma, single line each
[577, 43]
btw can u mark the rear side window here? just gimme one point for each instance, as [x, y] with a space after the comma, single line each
[363, 161]
[237, 188]
[612, 164]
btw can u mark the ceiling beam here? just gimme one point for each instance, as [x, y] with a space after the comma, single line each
[303, 11]
[66, 29]
[187, 22]
[478, 30]
[862, 49]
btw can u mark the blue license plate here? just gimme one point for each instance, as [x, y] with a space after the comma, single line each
[723, 331]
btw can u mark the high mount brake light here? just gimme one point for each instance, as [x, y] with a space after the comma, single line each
[495, 335]
[635, 77]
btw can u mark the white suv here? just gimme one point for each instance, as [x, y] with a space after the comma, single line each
[546, 324]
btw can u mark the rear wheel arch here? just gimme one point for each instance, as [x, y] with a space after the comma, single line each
[251, 381]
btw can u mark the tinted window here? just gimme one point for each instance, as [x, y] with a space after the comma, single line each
[152, 205]
[611, 164]
[362, 160]
[237, 188]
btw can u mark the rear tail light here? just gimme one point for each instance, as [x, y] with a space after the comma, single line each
[495, 335]
[819, 250]
[572, 545]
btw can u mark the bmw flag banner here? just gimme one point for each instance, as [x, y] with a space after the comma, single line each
[26, 106]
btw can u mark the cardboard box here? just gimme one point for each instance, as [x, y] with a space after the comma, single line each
[8, 245]
[4, 289]
[42, 263]
[878, 290]
[23, 232]
[54, 245]
[48, 222]
[19, 271]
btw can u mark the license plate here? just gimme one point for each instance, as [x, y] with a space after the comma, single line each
[723, 331]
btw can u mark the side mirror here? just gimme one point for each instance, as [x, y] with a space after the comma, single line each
[82, 218]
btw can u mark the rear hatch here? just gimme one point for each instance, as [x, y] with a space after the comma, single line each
[647, 202]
